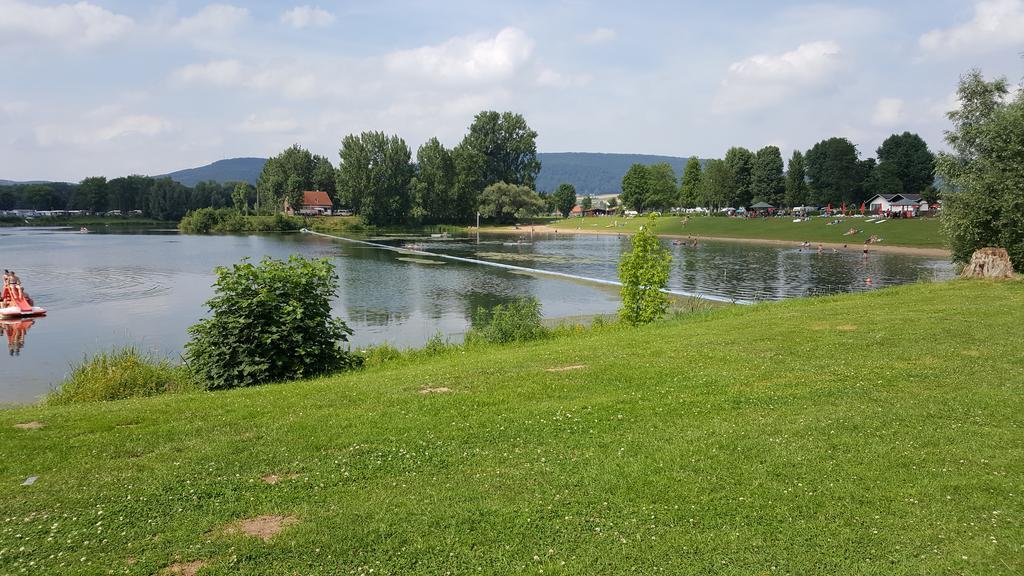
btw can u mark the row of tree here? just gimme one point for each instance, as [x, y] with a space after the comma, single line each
[831, 172]
[378, 180]
[159, 198]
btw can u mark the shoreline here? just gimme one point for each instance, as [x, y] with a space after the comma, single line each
[890, 249]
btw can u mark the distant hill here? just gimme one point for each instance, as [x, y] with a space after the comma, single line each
[230, 170]
[590, 173]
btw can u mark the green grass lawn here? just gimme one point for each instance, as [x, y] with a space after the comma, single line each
[879, 433]
[915, 232]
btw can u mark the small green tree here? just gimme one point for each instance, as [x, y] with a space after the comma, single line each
[507, 202]
[644, 272]
[565, 198]
[269, 322]
[587, 203]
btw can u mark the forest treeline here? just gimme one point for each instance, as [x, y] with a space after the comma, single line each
[831, 172]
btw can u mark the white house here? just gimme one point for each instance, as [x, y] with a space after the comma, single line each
[888, 203]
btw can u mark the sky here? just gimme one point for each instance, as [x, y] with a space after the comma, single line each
[97, 87]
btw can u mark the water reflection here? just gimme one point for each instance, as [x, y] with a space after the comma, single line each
[15, 331]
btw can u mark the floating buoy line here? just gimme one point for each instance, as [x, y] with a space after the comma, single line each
[708, 297]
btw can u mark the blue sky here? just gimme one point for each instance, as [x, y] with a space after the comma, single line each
[118, 87]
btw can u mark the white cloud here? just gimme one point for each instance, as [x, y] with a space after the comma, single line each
[211, 20]
[996, 24]
[888, 112]
[88, 131]
[272, 123]
[764, 80]
[598, 36]
[467, 58]
[216, 72]
[306, 16]
[79, 24]
[139, 124]
[549, 77]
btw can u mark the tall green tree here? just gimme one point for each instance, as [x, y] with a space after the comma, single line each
[663, 185]
[985, 170]
[374, 177]
[324, 177]
[636, 187]
[796, 181]
[565, 198]
[293, 192]
[92, 193]
[644, 273]
[508, 145]
[835, 172]
[295, 161]
[505, 202]
[689, 192]
[433, 188]
[240, 197]
[470, 167]
[741, 164]
[716, 185]
[767, 182]
[906, 157]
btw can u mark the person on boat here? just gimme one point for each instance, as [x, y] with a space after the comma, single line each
[16, 290]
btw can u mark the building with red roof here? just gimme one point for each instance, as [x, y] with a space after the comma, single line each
[314, 203]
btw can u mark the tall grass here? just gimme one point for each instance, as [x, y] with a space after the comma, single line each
[120, 373]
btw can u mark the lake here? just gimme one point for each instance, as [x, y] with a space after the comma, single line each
[146, 287]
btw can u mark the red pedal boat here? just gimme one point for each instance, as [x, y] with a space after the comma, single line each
[19, 307]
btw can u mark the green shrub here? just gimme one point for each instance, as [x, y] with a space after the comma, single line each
[228, 220]
[644, 272]
[120, 373]
[517, 321]
[270, 322]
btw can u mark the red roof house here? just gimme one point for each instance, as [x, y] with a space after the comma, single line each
[314, 202]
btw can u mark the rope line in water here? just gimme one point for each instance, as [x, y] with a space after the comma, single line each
[708, 297]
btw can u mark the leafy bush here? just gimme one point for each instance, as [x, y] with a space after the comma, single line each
[120, 373]
[644, 274]
[517, 321]
[270, 322]
[226, 220]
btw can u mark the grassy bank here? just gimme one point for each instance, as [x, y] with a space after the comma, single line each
[877, 433]
[914, 232]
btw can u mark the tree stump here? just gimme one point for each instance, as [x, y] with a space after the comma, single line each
[989, 263]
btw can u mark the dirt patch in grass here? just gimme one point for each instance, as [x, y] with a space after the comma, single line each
[262, 527]
[566, 368]
[184, 568]
[33, 425]
[438, 390]
[846, 327]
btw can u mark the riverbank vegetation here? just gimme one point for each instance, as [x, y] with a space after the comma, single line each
[783, 437]
[228, 220]
[119, 374]
[910, 232]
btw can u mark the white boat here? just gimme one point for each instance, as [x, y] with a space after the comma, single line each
[18, 312]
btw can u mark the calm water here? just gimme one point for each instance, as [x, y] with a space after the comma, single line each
[146, 288]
